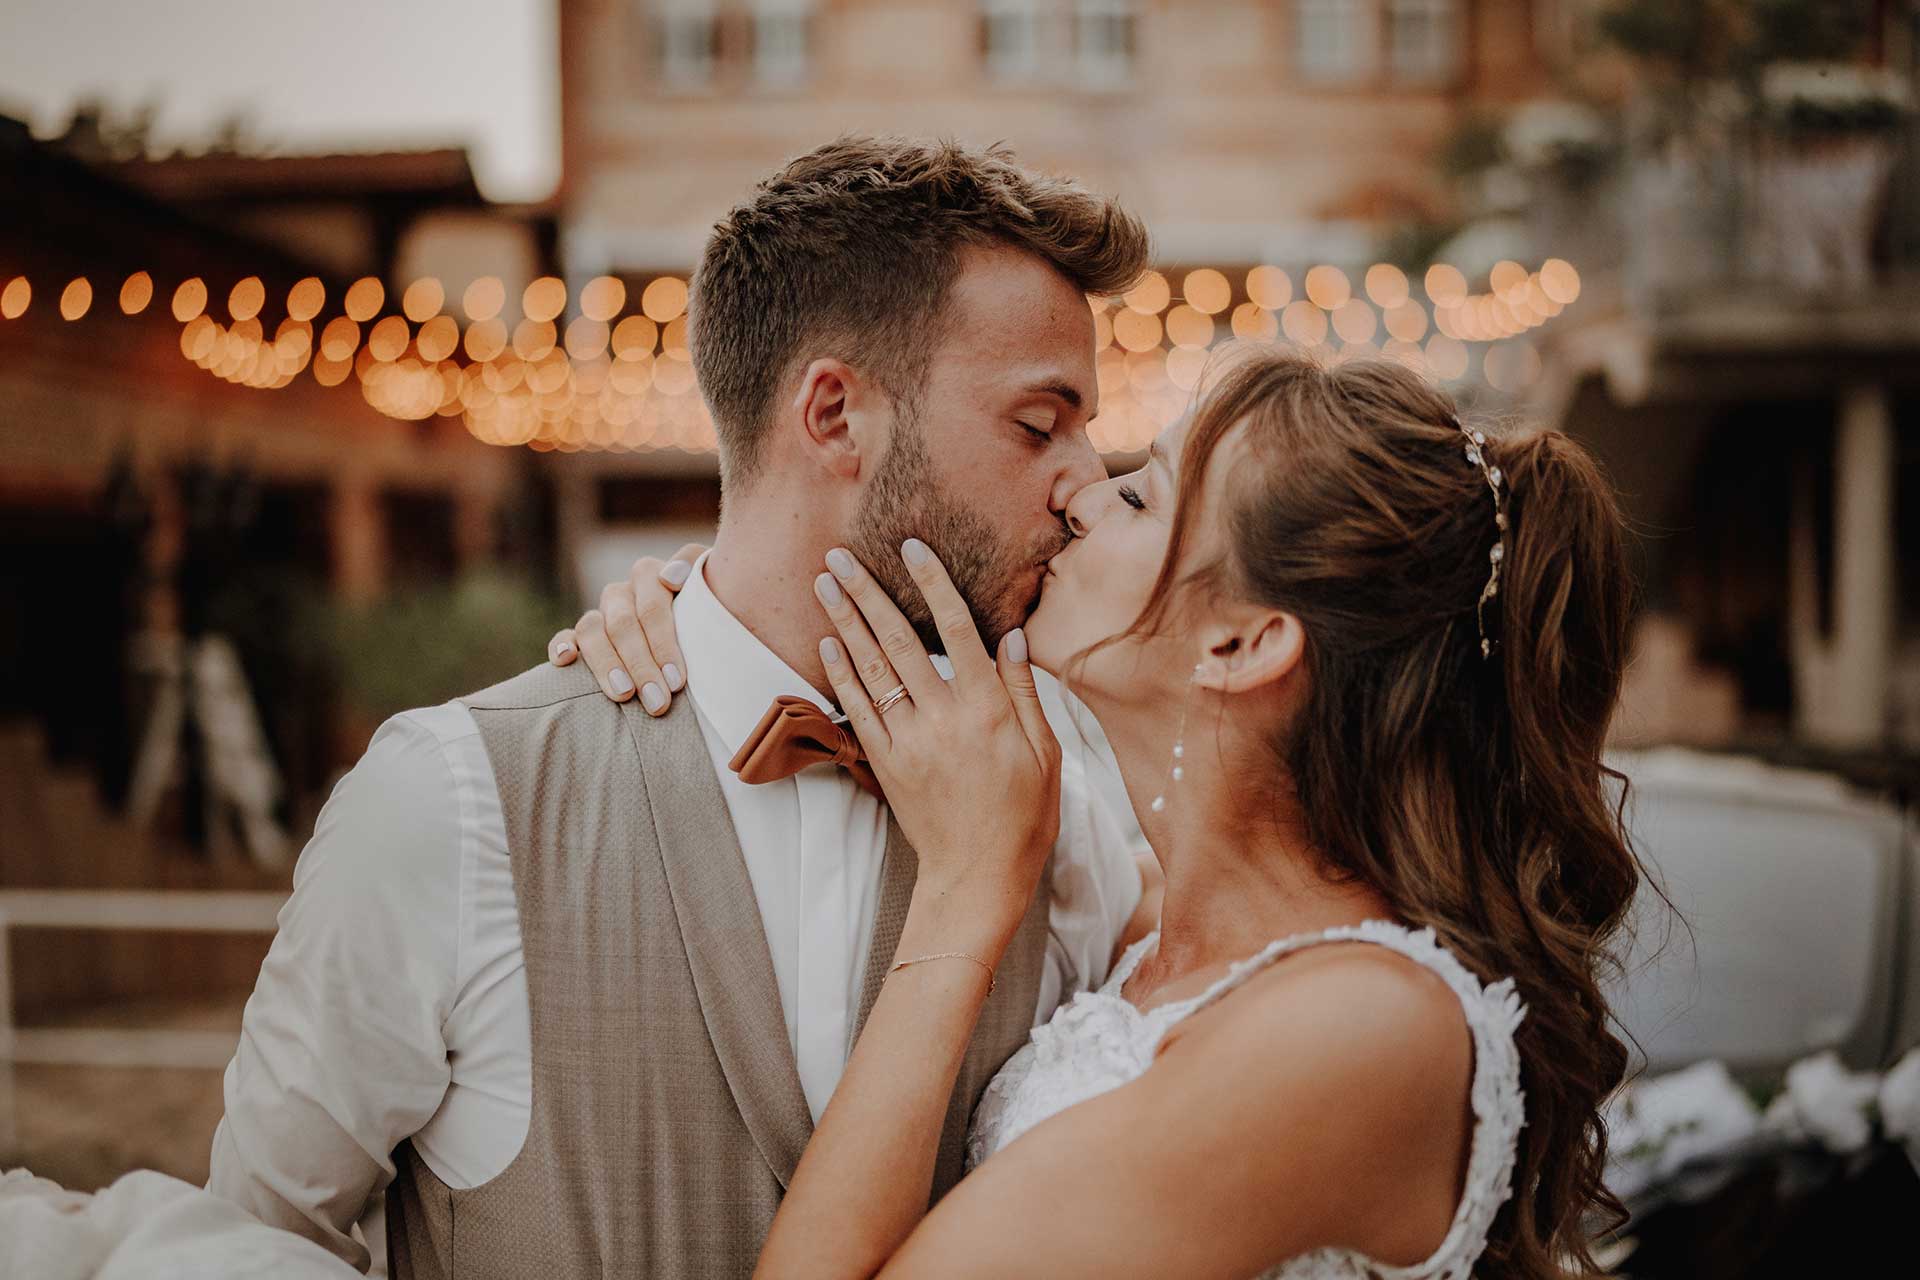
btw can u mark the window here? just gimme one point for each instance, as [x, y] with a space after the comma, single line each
[781, 31]
[1423, 39]
[1011, 34]
[686, 37]
[1333, 39]
[1105, 33]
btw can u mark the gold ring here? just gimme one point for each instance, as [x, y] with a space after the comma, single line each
[885, 701]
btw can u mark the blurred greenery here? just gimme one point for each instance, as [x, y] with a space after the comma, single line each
[422, 645]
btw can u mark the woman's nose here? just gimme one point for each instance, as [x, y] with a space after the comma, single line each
[1083, 511]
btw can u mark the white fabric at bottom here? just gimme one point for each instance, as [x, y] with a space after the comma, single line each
[1100, 1041]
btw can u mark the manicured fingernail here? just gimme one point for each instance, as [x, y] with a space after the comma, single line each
[840, 562]
[564, 649]
[914, 552]
[653, 697]
[1017, 645]
[675, 574]
[829, 650]
[622, 682]
[829, 590]
[675, 681]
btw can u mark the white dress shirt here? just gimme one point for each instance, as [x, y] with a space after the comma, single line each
[393, 1001]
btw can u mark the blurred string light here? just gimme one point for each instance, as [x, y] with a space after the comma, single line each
[136, 293]
[617, 373]
[76, 298]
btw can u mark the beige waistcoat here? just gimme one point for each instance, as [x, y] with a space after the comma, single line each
[667, 1112]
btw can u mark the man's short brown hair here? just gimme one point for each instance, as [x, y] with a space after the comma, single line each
[851, 250]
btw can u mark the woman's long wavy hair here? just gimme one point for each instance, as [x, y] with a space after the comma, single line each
[1469, 791]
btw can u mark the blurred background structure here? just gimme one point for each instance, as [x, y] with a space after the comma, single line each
[301, 423]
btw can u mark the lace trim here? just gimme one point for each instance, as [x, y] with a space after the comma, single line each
[1493, 1014]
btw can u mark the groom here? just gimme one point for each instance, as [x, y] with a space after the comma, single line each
[552, 974]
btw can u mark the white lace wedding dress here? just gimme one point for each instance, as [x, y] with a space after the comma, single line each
[1101, 1041]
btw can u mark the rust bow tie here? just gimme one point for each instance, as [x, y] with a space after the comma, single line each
[794, 734]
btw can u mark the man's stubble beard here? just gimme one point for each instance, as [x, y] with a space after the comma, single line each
[905, 500]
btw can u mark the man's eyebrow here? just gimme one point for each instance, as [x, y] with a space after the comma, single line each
[1058, 388]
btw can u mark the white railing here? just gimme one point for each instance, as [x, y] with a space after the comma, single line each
[117, 910]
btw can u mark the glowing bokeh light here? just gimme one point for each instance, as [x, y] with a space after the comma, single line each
[602, 297]
[532, 339]
[197, 338]
[76, 298]
[486, 339]
[634, 337]
[1304, 323]
[15, 297]
[423, 299]
[364, 299]
[1186, 366]
[1254, 323]
[484, 298]
[1355, 321]
[1407, 322]
[339, 339]
[1149, 297]
[246, 298]
[1446, 357]
[388, 339]
[544, 299]
[1136, 330]
[1269, 287]
[664, 299]
[439, 338]
[190, 299]
[1559, 281]
[1328, 288]
[136, 293]
[1189, 327]
[586, 337]
[306, 298]
[1387, 285]
[1505, 274]
[673, 338]
[1206, 291]
[1445, 285]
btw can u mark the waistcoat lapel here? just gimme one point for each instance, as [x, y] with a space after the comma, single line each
[725, 940]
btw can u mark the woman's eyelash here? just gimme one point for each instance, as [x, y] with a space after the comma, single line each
[1131, 496]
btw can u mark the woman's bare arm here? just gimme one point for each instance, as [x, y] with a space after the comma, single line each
[1323, 1105]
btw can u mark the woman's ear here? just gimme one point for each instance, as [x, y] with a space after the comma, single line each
[1263, 648]
[829, 389]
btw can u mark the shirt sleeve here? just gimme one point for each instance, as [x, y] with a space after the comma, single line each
[1095, 880]
[341, 1052]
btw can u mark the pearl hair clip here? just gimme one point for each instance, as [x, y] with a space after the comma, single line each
[1496, 482]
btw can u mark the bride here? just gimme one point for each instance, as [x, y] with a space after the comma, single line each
[1356, 662]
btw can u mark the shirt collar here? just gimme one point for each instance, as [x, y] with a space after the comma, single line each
[732, 676]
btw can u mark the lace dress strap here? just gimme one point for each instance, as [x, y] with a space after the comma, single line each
[1493, 1014]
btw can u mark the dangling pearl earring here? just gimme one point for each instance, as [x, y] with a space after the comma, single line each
[1175, 769]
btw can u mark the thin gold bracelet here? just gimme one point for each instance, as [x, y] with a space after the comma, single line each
[993, 980]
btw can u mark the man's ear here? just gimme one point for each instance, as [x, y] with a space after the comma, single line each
[828, 404]
[1262, 648]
